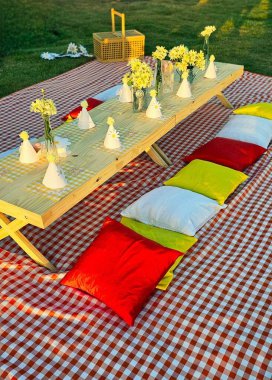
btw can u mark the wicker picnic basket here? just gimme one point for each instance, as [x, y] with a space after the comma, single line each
[118, 46]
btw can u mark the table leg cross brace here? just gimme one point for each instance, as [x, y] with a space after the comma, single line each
[12, 229]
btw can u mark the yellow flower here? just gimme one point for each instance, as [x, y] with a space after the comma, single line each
[185, 74]
[134, 64]
[50, 157]
[190, 59]
[141, 75]
[177, 52]
[110, 120]
[153, 93]
[200, 60]
[45, 107]
[24, 135]
[208, 30]
[84, 104]
[212, 58]
[160, 53]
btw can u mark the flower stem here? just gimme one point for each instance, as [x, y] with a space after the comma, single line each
[49, 138]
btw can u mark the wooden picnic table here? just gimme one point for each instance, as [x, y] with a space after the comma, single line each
[22, 195]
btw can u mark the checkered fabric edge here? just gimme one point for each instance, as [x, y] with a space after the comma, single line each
[214, 322]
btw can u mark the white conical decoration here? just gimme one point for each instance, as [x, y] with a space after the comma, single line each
[54, 177]
[154, 109]
[112, 140]
[125, 94]
[28, 154]
[184, 90]
[84, 119]
[211, 70]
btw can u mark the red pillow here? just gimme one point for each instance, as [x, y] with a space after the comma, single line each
[232, 153]
[121, 268]
[92, 103]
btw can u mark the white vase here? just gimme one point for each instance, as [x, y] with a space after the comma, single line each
[84, 120]
[125, 94]
[28, 154]
[154, 110]
[111, 142]
[184, 90]
[211, 71]
[54, 177]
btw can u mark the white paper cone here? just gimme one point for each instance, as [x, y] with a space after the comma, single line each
[125, 94]
[153, 111]
[54, 177]
[85, 121]
[28, 154]
[184, 90]
[111, 142]
[211, 71]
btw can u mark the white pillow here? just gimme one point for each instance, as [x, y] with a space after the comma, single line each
[251, 129]
[174, 209]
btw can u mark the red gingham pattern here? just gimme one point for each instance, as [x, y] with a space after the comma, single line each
[214, 321]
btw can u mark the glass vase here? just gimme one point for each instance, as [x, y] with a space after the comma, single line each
[206, 51]
[139, 100]
[191, 75]
[49, 140]
[158, 72]
[167, 77]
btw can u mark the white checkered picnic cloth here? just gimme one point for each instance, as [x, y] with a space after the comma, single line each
[214, 321]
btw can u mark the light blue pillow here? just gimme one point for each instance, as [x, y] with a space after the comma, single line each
[174, 209]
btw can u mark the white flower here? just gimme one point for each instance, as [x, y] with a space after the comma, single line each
[72, 48]
[48, 56]
[115, 134]
[83, 50]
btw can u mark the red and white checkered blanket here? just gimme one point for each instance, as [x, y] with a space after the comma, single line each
[214, 321]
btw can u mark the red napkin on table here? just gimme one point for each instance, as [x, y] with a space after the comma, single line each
[92, 103]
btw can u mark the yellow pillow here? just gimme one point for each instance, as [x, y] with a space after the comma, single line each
[209, 179]
[257, 109]
[169, 239]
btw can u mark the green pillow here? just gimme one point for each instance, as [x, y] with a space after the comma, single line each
[169, 239]
[257, 109]
[209, 179]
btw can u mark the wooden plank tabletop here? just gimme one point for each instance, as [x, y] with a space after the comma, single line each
[22, 194]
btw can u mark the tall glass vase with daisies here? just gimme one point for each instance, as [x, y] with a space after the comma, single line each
[46, 107]
[159, 54]
[187, 61]
[206, 33]
[176, 55]
[140, 78]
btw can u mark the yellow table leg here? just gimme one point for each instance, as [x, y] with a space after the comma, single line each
[12, 229]
[158, 156]
[224, 100]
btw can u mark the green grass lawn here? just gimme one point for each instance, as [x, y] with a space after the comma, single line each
[30, 27]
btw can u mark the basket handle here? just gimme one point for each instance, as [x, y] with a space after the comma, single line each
[122, 15]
